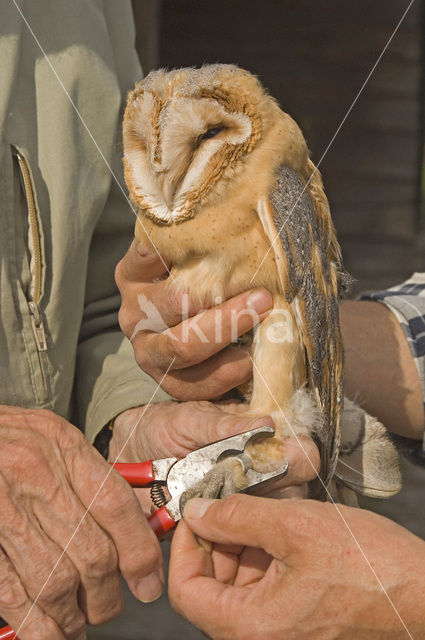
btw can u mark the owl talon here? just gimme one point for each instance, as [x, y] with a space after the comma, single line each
[228, 476]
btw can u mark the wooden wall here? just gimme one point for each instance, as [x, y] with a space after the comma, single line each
[314, 56]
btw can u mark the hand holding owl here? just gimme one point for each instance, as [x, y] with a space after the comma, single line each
[205, 362]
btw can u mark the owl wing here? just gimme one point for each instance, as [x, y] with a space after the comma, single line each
[310, 273]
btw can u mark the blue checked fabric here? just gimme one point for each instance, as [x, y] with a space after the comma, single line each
[407, 302]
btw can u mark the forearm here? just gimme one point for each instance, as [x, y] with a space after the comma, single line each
[380, 372]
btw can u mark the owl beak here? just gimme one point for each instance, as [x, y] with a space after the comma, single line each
[169, 182]
[169, 185]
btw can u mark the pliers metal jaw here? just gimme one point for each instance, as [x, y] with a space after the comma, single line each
[180, 475]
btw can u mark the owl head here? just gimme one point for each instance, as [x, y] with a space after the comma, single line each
[186, 131]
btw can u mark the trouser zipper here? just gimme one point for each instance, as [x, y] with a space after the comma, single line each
[36, 318]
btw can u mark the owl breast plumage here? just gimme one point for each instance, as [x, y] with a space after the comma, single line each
[226, 192]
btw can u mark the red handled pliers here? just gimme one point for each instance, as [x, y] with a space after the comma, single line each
[180, 475]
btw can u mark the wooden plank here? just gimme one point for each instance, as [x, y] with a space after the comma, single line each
[374, 220]
[378, 265]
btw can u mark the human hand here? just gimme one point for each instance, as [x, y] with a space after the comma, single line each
[296, 569]
[205, 364]
[69, 524]
[172, 429]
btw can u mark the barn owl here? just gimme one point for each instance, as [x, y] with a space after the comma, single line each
[225, 190]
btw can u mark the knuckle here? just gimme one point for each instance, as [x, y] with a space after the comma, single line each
[102, 559]
[180, 350]
[151, 557]
[76, 625]
[63, 583]
[155, 354]
[12, 594]
[14, 521]
[143, 560]
[19, 454]
[143, 360]
[124, 321]
[45, 418]
[116, 497]
[34, 421]
[175, 299]
[119, 274]
[114, 609]
[39, 627]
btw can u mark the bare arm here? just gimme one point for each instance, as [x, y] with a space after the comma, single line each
[381, 374]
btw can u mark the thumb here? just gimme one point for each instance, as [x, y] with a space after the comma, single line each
[140, 264]
[246, 520]
[219, 424]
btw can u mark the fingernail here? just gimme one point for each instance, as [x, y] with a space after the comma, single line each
[260, 300]
[205, 544]
[267, 421]
[196, 508]
[150, 588]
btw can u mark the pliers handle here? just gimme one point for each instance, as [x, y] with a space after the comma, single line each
[145, 474]
[6, 633]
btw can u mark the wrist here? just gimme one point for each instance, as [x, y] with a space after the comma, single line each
[125, 426]
[129, 442]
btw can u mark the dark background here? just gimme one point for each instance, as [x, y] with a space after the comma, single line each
[314, 56]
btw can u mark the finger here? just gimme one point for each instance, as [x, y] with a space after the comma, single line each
[210, 379]
[247, 520]
[219, 425]
[177, 429]
[303, 459]
[92, 552]
[140, 264]
[225, 560]
[48, 575]
[172, 303]
[197, 338]
[20, 611]
[283, 493]
[241, 569]
[195, 593]
[252, 566]
[115, 507]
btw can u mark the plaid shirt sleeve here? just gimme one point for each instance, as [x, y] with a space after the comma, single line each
[407, 302]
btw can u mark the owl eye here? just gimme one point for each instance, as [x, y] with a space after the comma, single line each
[211, 133]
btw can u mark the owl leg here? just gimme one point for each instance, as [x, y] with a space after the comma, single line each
[278, 364]
[226, 477]
[279, 373]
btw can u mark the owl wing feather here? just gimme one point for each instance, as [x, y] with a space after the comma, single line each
[311, 282]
